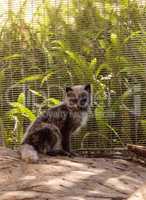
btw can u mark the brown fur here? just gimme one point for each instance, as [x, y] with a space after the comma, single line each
[50, 133]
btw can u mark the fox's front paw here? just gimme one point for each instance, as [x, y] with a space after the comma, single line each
[73, 154]
[58, 153]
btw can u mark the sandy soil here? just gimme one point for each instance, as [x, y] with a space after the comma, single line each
[62, 178]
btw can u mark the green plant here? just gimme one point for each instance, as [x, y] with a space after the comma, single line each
[101, 42]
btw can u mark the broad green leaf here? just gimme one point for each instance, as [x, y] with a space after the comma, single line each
[12, 113]
[99, 114]
[54, 101]
[2, 74]
[114, 38]
[74, 57]
[60, 43]
[108, 7]
[24, 111]
[133, 35]
[36, 93]
[92, 64]
[124, 3]
[21, 98]
[12, 57]
[102, 43]
[31, 78]
[46, 77]
[114, 20]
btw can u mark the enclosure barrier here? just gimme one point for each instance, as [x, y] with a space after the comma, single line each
[47, 45]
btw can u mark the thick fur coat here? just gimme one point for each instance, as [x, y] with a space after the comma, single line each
[50, 133]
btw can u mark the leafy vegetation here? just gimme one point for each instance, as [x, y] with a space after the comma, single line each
[101, 42]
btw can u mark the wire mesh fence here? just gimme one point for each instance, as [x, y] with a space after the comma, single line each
[46, 45]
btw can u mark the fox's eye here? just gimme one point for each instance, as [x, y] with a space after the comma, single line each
[83, 101]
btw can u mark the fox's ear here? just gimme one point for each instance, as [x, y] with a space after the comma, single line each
[88, 88]
[68, 89]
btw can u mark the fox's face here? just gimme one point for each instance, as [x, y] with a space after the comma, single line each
[78, 97]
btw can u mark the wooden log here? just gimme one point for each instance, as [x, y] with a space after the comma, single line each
[138, 150]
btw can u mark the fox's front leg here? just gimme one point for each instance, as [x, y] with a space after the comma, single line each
[66, 141]
[57, 148]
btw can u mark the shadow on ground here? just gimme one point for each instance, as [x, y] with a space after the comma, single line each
[63, 178]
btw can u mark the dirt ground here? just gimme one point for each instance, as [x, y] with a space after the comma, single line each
[62, 178]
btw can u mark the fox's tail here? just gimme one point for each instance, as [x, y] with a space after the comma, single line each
[28, 153]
